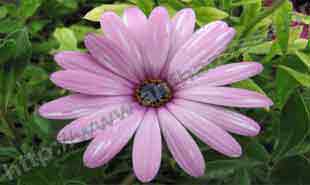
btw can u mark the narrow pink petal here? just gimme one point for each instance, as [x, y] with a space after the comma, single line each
[88, 83]
[224, 118]
[202, 48]
[225, 96]
[87, 127]
[225, 74]
[147, 148]
[136, 22]
[183, 25]
[111, 56]
[157, 40]
[181, 145]
[76, 60]
[116, 31]
[77, 105]
[214, 136]
[182, 28]
[73, 60]
[110, 142]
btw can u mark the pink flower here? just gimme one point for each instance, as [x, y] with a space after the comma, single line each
[133, 81]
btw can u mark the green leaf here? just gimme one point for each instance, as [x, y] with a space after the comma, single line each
[36, 26]
[3, 12]
[95, 14]
[9, 25]
[294, 125]
[80, 31]
[245, 2]
[242, 178]
[27, 8]
[282, 20]
[219, 168]
[291, 171]
[7, 50]
[209, 14]
[304, 57]
[66, 39]
[16, 62]
[285, 86]
[301, 149]
[8, 152]
[251, 16]
[145, 6]
[42, 125]
[303, 79]
[256, 151]
[250, 10]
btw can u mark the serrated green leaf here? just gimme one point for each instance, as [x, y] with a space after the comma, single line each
[95, 14]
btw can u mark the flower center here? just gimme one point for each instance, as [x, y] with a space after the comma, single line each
[153, 93]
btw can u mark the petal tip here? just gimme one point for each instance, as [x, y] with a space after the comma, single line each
[88, 162]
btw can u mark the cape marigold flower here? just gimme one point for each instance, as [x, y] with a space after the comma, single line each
[132, 81]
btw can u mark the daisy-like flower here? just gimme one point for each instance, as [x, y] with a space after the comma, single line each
[136, 81]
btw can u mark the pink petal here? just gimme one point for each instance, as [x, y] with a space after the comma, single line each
[225, 96]
[183, 25]
[214, 136]
[116, 31]
[147, 148]
[157, 41]
[111, 141]
[224, 118]
[225, 74]
[78, 61]
[111, 56]
[136, 22]
[77, 105]
[202, 48]
[88, 83]
[182, 146]
[87, 127]
[83, 61]
[182, 28]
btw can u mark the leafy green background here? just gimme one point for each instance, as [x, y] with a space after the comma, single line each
[31, 31]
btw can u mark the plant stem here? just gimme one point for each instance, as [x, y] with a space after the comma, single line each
[248, 28]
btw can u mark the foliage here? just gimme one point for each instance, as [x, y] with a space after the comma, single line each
[31, 31]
